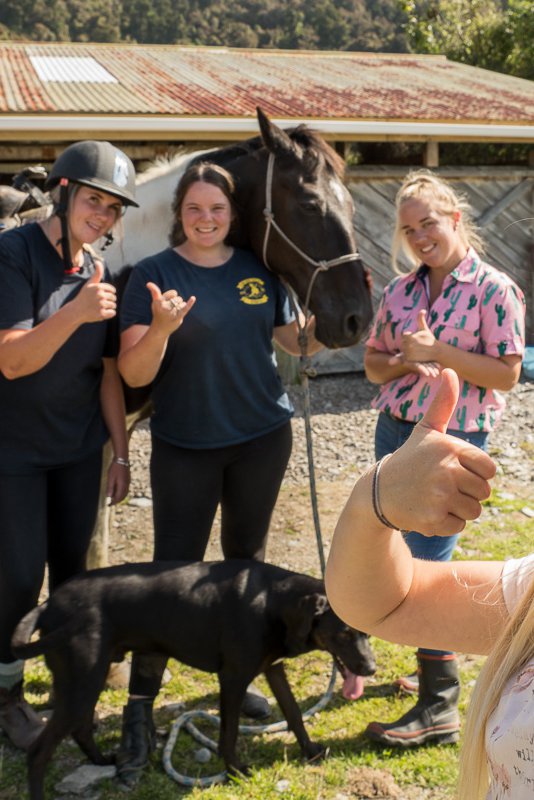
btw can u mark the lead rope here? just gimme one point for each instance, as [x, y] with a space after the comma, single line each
[306, 370]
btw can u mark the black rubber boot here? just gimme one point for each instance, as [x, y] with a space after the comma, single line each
[138, 741]
[18, 720]
[434, 718]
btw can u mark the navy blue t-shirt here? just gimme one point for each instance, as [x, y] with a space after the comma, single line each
[218, 384]
[52, 417]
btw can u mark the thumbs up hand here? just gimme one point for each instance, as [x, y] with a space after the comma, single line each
[435, 482]
[419, 350]
[419, 345]
[96, 300]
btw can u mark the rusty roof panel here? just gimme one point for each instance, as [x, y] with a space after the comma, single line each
[200, 81]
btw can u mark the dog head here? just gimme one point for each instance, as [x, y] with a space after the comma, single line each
[312, 625]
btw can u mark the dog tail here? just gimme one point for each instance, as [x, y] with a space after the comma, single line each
[22, 645]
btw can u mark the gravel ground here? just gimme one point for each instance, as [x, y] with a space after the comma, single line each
[343, 428]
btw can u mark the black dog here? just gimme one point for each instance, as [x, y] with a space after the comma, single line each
[235, 618]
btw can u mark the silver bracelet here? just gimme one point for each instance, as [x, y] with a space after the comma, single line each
[376, 497]
[121, 461]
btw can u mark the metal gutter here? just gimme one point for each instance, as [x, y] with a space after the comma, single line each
[26, 126]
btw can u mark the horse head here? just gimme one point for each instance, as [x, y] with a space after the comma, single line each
[299, 222]
[298, 217]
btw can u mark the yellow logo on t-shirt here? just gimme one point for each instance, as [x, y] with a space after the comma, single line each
[252, 291]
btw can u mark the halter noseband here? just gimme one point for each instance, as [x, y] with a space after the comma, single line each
[270, 222]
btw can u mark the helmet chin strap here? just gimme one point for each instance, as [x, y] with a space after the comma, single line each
[62, 214]
[109, 240]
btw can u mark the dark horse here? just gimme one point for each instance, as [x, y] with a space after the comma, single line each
[302, 223]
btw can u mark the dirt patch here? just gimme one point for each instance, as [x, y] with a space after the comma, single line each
[342, 435]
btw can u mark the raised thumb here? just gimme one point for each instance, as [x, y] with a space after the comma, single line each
[154, 290]
[440, 410]
[98, 274]
[421, 320]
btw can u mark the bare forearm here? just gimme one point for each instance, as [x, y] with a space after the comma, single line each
[287, 337]
[481, 370]
[25, 352]
[363, 552]
[113, 409]
[434, 483]
[379, 370]
[139, 362]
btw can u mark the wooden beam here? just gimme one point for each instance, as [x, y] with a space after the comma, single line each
[431, 155]
[49, 152]
[487, 216]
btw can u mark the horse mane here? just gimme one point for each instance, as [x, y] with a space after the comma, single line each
[162, 165]
[313, 143]
[308, 139]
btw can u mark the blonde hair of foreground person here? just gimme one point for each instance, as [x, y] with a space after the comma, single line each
[422, 184]
[512, 650]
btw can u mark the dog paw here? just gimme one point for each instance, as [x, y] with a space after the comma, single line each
[315, 752]
[239, 770]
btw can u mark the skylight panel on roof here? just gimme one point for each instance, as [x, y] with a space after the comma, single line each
[71, 69]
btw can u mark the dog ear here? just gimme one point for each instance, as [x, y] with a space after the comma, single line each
[299, 621]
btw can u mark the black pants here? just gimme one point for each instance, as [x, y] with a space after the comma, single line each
[187, 487]
[48, 517]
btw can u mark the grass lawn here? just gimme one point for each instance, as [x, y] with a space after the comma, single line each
[354, 769]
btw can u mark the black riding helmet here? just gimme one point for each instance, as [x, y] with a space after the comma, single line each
[97, 164]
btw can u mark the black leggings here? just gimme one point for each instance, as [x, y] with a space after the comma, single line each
[47, 517]
[187, 487]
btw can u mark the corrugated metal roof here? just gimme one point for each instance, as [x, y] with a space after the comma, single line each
[220, 82]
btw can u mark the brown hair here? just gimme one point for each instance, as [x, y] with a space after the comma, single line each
[423, 183]
[203, 172]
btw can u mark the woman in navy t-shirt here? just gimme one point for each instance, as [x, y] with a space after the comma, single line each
[198, 321]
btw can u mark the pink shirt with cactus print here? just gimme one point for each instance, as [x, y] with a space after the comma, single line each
[480, 309]
[510, 729]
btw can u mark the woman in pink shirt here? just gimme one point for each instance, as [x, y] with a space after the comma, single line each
[453, 310]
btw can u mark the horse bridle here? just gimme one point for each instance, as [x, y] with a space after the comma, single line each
[320, 266]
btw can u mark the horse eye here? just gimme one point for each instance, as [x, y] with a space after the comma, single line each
[311, 206]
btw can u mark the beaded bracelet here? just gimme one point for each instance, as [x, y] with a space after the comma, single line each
[376, 499]
[122, 462]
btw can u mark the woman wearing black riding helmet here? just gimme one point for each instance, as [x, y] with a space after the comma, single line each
[60, 394]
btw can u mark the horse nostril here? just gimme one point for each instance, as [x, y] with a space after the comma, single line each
[351, 325]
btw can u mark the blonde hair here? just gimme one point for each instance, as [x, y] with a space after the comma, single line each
[423, 183]
[512, 651]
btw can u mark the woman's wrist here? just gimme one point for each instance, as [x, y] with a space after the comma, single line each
[375, 494]
[122, 462]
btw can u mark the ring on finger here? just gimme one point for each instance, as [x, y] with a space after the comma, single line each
[175, 303]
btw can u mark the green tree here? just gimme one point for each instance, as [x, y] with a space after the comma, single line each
[36, 20]
[94, 20]
[492, 34]
[520, 32]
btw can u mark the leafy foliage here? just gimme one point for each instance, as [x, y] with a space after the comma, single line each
[493, 34]
[313, 24]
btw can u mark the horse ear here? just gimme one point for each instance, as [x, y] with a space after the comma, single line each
[274, 138]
